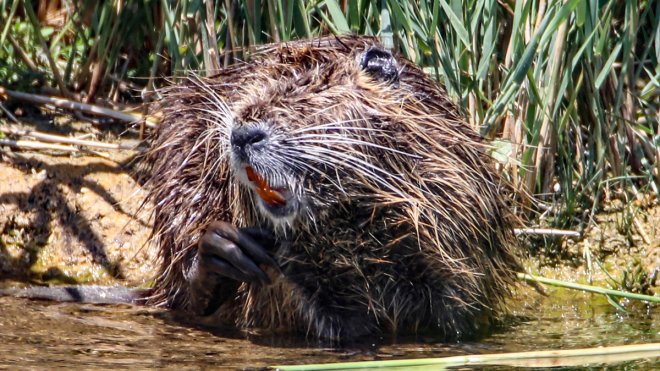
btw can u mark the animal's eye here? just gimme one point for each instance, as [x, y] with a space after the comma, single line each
[380, 64]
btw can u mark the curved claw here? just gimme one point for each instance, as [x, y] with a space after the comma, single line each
[234, 253]
[222, 267]
[243, 238]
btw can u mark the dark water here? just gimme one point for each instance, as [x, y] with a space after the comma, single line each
[37, 334]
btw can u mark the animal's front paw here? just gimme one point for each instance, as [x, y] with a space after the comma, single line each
[236, 253]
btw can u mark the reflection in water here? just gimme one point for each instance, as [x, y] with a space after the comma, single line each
[46, 335]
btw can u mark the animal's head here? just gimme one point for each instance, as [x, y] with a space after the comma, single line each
[313, 125]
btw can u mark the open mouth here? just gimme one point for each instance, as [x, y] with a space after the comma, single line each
[273, 197]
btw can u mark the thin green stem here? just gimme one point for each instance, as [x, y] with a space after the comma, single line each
[588, 288]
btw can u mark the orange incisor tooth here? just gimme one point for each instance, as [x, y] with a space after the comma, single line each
[266, 193]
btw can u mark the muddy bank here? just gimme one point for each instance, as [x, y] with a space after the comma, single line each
[72, 219]
[620, 249]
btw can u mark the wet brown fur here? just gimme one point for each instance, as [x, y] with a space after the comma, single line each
[407, 234]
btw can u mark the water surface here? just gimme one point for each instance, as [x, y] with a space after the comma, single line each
[47, 335]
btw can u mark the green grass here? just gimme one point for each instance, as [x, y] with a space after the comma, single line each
[567, 89]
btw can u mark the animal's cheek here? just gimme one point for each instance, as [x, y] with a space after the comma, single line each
[312, 200]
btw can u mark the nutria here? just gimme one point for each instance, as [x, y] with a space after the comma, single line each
[327, 187]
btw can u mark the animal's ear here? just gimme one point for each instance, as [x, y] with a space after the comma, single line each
[380, 64]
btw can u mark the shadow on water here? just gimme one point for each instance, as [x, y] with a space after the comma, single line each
[47, 334]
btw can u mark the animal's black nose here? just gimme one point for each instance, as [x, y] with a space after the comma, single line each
[248, 136]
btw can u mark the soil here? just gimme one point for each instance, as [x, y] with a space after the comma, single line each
[619, 249]
[72, 219]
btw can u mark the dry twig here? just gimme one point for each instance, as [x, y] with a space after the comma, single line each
[77, 106]
[547, 231]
